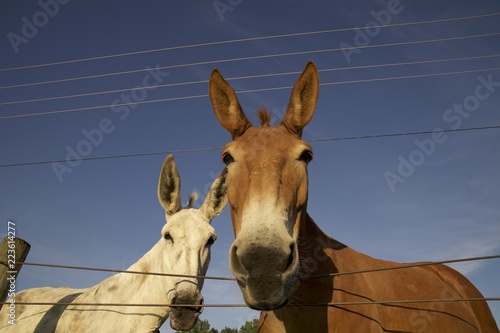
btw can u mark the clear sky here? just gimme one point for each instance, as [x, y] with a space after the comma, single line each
[403, 198]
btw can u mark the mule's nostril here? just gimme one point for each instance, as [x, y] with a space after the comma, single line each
[291, 256]
[235, 263]
[200, 308]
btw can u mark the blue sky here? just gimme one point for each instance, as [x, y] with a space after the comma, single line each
[406, 198]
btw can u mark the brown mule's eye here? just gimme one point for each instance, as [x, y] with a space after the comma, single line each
[227, 158]
[306, 156]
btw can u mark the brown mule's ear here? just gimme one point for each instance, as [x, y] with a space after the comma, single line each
[302, 101]
[226, 106]
[169, 187]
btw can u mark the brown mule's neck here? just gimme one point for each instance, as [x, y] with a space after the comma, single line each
[313, 241]
[316, 252]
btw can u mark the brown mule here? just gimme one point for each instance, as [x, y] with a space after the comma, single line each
[278, 246]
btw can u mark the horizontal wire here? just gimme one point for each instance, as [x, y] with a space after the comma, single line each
[443, 300]
[246, 40]
[434, 300]
[128, 272]
[418, 62]
[113, 91]
[416, 76]
[246, 91]
[420, 264]
[114, 156]
[250, 58]
[406, 133]
[358, 137]
[131, 305]
[103, 106]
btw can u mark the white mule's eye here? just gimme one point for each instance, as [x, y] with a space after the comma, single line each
[168, 237]
[211, 241]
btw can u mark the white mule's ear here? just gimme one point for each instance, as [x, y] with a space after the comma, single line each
[169, 187]
[302, 101]
[226, 105]
[217, 197]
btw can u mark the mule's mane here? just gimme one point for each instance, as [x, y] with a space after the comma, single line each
[264, 117]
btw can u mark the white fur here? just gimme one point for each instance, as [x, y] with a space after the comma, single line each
[264, 220]
[185, 251]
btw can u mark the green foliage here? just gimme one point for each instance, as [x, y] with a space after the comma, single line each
[203, 326]
[249, 327]
[229, 330]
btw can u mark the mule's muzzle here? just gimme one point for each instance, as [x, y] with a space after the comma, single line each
[265, 275]
[183, 317]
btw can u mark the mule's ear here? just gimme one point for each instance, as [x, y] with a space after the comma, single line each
[169, 187]
[303, 100]
[217, 197]
[226, 106]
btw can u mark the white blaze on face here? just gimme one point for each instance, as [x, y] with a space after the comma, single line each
[263, 220]
[264, 256]
[265, 243]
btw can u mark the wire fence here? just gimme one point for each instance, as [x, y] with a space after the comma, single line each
[265, 56]
[195, 150]
[170, 99]
[176, 84]
[236, 305]
[127, 271]
[250, 39]
[228, 60]
[190, 97]
[402, 266]
[336, 274]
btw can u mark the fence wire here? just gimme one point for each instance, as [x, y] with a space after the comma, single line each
[385, 302]
[336, 304]
[222, 278]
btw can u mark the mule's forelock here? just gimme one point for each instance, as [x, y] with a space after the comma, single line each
[264, 117]
[192, 199]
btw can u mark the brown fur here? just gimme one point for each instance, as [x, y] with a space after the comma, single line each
[270, 170]
[264, 117]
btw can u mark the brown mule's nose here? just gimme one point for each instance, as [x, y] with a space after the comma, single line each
[265, 274]
[251, 258]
